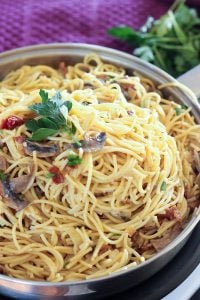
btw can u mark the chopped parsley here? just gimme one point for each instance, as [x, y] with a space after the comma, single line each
[49, 175]
[2, 175]
[74, 160]
[163, 186]
[180, 109]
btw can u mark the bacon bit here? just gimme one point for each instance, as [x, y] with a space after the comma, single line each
[187, 192]
[101, 194]
[11, 123]
[193, 202]
[3, 163]
[58, 176]
[125, 201]
[169, 236]
[20, 139]
[139, 244]
[104, 248]
[146, 247]
[126, 86]
[171, 213]
[62, 68]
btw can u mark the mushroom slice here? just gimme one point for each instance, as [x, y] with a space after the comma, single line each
[22, 183]
[42, 150]
[10, 197]
[93, 141]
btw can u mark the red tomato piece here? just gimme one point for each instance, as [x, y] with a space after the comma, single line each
[11, 122]
[58, 176]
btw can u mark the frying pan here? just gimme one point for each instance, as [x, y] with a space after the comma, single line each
[52, 54]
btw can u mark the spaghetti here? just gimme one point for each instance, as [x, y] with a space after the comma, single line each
[103, 192]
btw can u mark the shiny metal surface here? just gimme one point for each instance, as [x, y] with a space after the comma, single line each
[52, 54]
[191, 79]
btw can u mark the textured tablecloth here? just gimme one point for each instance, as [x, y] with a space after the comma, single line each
[28, 22]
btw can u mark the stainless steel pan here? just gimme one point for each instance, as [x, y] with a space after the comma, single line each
[91, 289]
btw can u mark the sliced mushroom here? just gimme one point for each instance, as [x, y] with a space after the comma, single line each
[93, 141]
[22, 183]
[3, 163]
[41, 150]
[10, 197]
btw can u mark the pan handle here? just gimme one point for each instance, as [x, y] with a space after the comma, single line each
[192, 80]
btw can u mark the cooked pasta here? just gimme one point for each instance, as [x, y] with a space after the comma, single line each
[98, 171]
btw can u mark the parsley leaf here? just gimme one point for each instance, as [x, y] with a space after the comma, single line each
[180, 109]
[2, 176]
[49, 175]
[163, 186]
[42, 133]
[74, 160]
[52, 119]
[44, 96]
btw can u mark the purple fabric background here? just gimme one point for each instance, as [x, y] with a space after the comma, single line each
[28, 22]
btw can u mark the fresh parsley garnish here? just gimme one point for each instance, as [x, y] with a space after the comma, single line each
[51, 119]
[49, 175]
[171, 42]
[163, 186]
[2, 176]
[180, 109]
[74, 160]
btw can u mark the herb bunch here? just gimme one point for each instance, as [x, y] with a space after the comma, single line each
[51, 118]
[171, 42]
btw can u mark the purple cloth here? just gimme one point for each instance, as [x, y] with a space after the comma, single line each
[29, 22]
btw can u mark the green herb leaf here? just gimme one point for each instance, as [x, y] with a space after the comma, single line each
[171, 42]
[74, 160]
[49, 175]
[68, 104]
[163, 186]
[44, 95]
[52, 119]
[180, 109]
[32, 125]
[42, 133]
[2, 176]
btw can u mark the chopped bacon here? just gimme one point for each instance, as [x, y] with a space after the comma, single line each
[20, 139]
[193, 202]
[169, 236]
[125, 201]
[102, 194]
[171, 213]
[139, 244]
[126, 86]
[3, 163]
[62, 68]
[104, 248]
[12, 122]
[187, 192]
